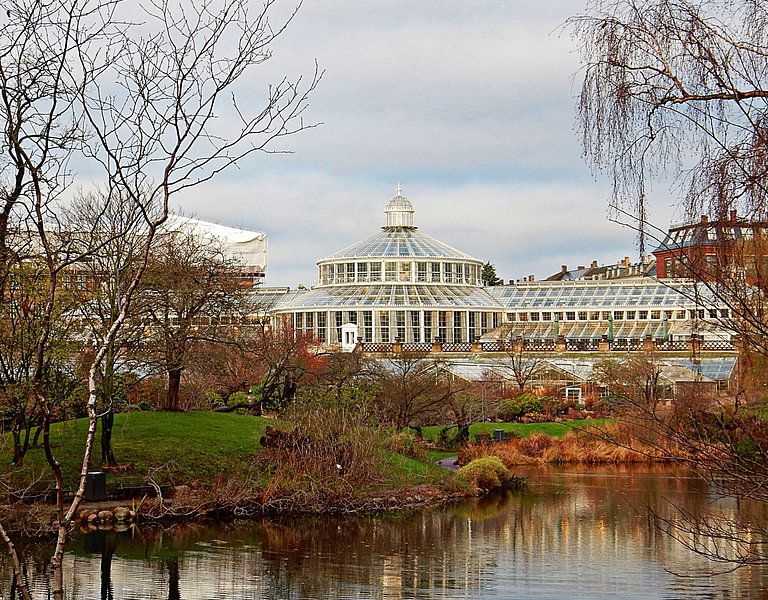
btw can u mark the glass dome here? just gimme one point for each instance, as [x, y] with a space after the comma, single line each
[399, 210]
[400, 242]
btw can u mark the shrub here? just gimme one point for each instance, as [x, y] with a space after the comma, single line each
[237, 398]
[553, 406]
[207, 400]
[586, 447]
[487, 473]
[520, 406]
[407, 444]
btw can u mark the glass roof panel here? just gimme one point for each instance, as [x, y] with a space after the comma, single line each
[396, 241]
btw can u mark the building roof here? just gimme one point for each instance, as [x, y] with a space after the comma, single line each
[389, 295]
[580, 369]
[223, 233]
[399, 238]
[709, 233]
[249, 248]
[400, 242]
[646, 292]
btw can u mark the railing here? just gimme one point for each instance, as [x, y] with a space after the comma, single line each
[626, 345]
[582, 345]
[550, 345]
[495, 346]
[671, 345]
[457, 347]
[539, 345]
[416, 347]
[715, 345]
[376, 347]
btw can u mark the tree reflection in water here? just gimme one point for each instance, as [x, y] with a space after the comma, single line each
[585, 533]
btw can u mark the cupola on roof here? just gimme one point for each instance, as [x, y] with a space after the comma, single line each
[399, 210]
[400, 238]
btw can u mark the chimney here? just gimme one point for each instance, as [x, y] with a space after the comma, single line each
[594, 264]
[704, 219]
[733, 216]
[581, 267]
[532, 278]
[563, 268]
[625, 262]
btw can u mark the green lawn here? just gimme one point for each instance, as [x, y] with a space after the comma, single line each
[196, 446]
[521, 429]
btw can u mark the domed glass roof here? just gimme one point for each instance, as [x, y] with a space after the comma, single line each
[403, 242]
[399, 238]
[382, 295]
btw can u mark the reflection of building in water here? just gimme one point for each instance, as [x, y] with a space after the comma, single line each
[576, 534]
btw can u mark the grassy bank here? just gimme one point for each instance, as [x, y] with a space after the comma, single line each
[193, 446]
[521, 430]
[198, 449]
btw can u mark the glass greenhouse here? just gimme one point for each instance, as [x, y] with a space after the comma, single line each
[403, 285]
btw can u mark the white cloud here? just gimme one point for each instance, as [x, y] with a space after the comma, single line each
[469, 103]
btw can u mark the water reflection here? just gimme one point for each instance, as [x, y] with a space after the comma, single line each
[584, 533]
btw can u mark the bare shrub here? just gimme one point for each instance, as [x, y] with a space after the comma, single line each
[612, 444]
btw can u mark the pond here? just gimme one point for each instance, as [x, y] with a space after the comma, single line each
[575, 533]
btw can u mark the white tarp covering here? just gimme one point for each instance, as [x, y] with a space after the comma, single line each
[247, 247]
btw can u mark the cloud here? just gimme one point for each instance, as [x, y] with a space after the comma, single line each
[522, 228]
[470, 104]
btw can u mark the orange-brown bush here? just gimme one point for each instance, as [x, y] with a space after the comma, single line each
[612, 444]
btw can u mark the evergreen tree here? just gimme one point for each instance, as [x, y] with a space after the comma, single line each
[489, 276]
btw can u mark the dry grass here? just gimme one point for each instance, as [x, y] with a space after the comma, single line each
[612, 444]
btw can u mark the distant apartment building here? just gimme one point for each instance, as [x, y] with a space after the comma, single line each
[709, 248]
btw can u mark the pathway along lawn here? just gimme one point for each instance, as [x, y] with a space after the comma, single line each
[521, 429]
[194, 447]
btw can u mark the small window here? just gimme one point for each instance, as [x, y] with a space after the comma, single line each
[390, 271]
[642, 315]
[511, 317]
[376, 271]
[631, 315]
[618, 315]
[534, 316]
[546, 316]
[680, 314]
[523, 316]
[582, 315]
[724, 313]
[435, 270]
[421, 271]
[570, 315]
[655, 315]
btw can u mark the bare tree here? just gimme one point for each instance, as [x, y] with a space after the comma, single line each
[155, 106]
[678, 89]
[190, 293]
[104, 277]
[635, 379]
[412, 391]
[522, 365]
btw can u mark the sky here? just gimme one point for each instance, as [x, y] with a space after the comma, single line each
[470, 105]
